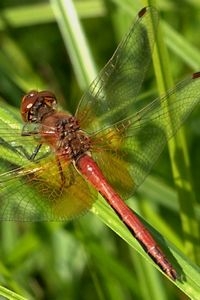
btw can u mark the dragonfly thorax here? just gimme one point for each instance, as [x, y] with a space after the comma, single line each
[62, 133]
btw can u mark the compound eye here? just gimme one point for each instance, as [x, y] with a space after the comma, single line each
[49, 98]
[36, 104]
[27, 103]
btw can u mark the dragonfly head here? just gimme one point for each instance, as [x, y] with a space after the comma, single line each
[35, 105]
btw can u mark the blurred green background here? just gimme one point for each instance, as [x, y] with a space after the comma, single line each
[42, 46]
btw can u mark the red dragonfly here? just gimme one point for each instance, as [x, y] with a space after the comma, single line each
[53, 167]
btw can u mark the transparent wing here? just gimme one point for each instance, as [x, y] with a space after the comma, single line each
[39, 191]
[127, 151]
[44, 189]
[112, 94]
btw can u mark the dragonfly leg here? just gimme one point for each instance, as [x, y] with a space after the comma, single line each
[26, 154]
[65, 182]
[17, 149]
[35, 152]
[62, 176]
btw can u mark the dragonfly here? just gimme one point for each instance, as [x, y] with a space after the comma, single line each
[54, 164]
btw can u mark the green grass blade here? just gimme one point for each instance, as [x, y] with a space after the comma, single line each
[179, 163]
[189, 281]
[181, 47]
[75, 41]
[10, 295]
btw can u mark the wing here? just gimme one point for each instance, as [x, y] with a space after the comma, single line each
[112, 94]
[44, 189]
[39, 191]
[127, 151]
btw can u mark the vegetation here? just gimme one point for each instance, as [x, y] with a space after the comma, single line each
[44, 46]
